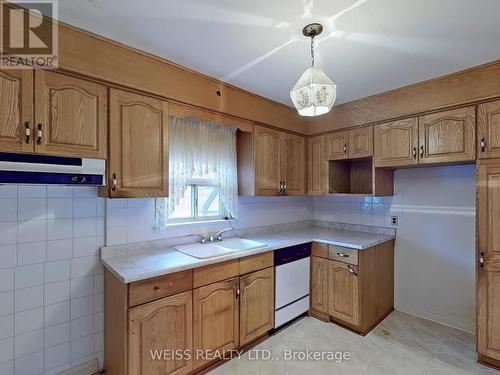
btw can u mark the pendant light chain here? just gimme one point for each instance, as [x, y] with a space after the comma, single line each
[312, 50]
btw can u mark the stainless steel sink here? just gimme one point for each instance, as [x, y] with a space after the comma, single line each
[218, 249]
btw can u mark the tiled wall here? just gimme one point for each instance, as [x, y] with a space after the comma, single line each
[374, 211]
[132, 220]
[51, 283]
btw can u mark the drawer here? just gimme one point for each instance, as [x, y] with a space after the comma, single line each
[215, 272]
[319, 250]
[256, 262]
[343, 254]
[143, 291]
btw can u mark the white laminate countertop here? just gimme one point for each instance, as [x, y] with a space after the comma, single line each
[143, 262]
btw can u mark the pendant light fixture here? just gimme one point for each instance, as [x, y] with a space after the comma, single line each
[314, 93]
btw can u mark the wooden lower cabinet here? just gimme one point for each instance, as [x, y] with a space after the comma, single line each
[256, 305]
[488, 261]
[319, 287]
[355, 288]
[162, 326]
[215, 319]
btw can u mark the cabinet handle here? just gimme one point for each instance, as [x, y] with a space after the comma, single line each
[351, 270]
[114, 182]
[421, 151]
[237, 291]
[281, 187]
[414, 152]
[343, 255]
[481, 260]
[483, 144]
[27, 132]
[284, 186]
[345, 148]
[39, 134]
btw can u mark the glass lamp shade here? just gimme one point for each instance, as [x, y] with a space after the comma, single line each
[314, 93]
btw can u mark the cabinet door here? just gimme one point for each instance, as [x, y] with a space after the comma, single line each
[293, 163]
[16, 102]
[257, 304]
[488, 276]
[448, 137]
[361, 142]
[319, 287]
[71, 115]
[162, 325]
[488, 130]
[343, 289]
[267, 161]
[138, 157]
[215, 318]
[396, 143]
[317, 167]
[336, 145]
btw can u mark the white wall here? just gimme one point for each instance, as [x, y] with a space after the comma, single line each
[435, 244]
[51, 282]
[132, 220]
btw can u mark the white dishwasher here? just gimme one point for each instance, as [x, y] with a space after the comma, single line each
[292, 282]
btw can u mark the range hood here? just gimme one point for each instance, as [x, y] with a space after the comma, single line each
[43, 169]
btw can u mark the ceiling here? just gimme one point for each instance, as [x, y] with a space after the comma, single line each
[367, 47]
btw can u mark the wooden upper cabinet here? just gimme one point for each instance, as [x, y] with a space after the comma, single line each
[71, 115]
[267, 161]
[448, 137]
[488, 276]
[215, 318]
[343, 298]
[361, 142]
[138, 155]
[336, 145]
[488, 130]
[319, 287]
[16, 114]
[256, 305]
[165, 324]
[293, 163]
[317, 167]
[396, 143]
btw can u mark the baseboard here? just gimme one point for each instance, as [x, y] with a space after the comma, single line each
[468, 326]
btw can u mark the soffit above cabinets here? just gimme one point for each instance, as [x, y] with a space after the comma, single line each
[368, 47]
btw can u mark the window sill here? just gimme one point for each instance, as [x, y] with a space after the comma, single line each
[189, 224]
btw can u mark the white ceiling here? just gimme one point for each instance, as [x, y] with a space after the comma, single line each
[367, 47]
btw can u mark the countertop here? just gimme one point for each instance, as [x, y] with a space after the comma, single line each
[142, 261]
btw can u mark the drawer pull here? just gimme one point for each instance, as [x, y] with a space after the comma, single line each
[343, 255]
[351, 270]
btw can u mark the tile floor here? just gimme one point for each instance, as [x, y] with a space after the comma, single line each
[402, 344]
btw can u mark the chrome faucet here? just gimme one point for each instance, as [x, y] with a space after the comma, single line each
[214, 237]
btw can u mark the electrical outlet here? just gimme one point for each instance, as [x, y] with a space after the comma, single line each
[394, 221]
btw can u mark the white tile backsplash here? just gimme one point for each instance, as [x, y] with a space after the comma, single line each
[46, 233]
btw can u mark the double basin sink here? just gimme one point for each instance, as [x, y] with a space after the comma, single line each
[221, 248]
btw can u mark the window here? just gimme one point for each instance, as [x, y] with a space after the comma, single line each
[200, 201]
[203, 183]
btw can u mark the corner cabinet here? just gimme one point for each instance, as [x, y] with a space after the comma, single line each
[164, 325]
[138, 149]
[47, 112]
[488, 261]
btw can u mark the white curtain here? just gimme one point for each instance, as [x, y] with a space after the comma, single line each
[200, 149]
